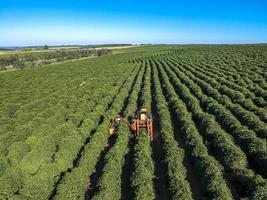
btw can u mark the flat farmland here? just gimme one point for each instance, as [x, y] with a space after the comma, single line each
[209, 110]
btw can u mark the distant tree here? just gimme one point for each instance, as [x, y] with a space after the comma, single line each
[102, 52]
[46, 47]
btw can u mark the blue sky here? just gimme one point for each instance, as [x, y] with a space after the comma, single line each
[55, 22]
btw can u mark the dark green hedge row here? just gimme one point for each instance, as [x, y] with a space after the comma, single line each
[238, 80]
[143, 173]
[75, 184]
[220, 80]
[145, 97]
[241, 97]
[143, 170]
[62, 104]
[222, 144]
[245, 117]
[245, 65]
[254, 147]
[109, 184]
[52, 152]
[209, 170]
[178, 186]
[33, 117]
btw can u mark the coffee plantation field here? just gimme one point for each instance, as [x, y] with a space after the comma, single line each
[209, 108]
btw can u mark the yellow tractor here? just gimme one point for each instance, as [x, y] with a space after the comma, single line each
[141, 121]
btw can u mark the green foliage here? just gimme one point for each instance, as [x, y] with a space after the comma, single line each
[11, 182]
[33, 59]
[142, 176]
[110, 181]
[205, 165]
[253, 146]
[46, 47]
[54, 122]
[44, 140]
[76, 183]
[3, 165]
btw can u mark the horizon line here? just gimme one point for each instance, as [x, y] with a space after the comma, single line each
[132, 44]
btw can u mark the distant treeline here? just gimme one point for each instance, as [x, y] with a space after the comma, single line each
[29, 48]
[104, 45]
[21, 61]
